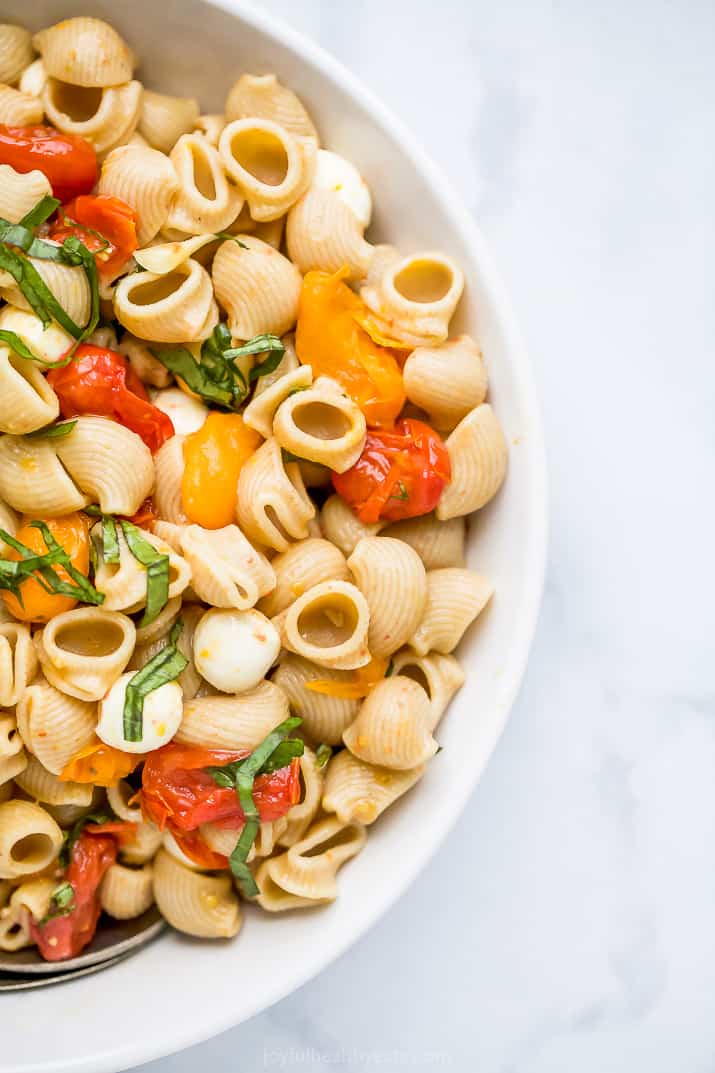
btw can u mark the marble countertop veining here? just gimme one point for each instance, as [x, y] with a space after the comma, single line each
[567, 922]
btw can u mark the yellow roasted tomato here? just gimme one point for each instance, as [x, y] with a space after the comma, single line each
[330, 338]
[213, 458]
[70, 531]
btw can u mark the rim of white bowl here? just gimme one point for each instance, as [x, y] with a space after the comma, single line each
[215, 1021]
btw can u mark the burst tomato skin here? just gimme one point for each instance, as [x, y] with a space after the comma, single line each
[65, 936]
[178, 791]
[70, 531]
[101, 381]
[68, 161]
[400, 474]
[92, 218]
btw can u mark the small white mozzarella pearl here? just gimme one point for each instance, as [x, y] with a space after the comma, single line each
[233, 650]
[187, 414]
[50, 343]
[334, 172]
[163, 708]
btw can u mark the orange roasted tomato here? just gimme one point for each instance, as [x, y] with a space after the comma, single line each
[99, 764]
[72, 532]
[213, 458]
[329, 338]
[400, 473]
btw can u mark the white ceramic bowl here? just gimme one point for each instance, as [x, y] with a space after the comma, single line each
[150, 1005]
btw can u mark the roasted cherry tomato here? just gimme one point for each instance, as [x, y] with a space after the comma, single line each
[329, 338]
[213, 457]
[72, 533]
[400, 473]
[99, 764]
[68, 161]
[106, 225]
[192, 844]
[101, 381]
[177, 789]
[145, 515]
[64, 936]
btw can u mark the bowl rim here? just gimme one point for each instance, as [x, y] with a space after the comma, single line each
[216, 1020]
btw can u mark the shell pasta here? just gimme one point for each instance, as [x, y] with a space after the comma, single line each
[239, 445]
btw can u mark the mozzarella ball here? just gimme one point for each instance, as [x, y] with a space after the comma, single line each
[163, 708]
[49, 343]
[233, 650]
[187, 413]
[333, 172]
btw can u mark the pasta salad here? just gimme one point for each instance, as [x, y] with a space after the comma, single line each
[238, 447]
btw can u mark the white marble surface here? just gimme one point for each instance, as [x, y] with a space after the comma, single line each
[567, 923]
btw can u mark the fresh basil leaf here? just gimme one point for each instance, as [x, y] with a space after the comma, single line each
[390, 668]
[53, 432]
[62, 902]
[216, 377]
[264, 342]
[110, 542]
[41, 212]
[287, 750]
[157, 573]
[237, 861]
[182, 363]
[39, 567]
[403, 494]
[40, 298]
[19, 347]
[231, 238]
[165, 667]
[242, 774]
[75, 831]
[82, 589]
[323, 754]
[288, 456]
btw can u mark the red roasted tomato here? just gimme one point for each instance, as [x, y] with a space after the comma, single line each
[68, 161]
[178, 791]
[101, 381]
[400, 473]
[105, 225]
[93, 853]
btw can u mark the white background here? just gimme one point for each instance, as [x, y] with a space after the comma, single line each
[566, 926]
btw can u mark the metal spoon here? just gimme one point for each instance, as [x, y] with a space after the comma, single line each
[17, 982]
[115, 939]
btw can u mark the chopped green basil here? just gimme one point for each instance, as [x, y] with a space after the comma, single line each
[75, 831]
[12, 574]
[41, 212]
[110, 542]
[231, 238]
[53, 432]
[61, 902]
[165, 667]
[275, 751]
[15, 237]
[216, 377]
[157, 572]
[323, 755]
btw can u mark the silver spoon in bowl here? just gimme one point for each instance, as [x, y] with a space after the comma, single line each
[115, 939]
